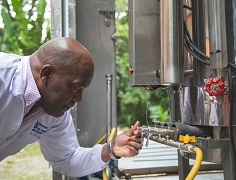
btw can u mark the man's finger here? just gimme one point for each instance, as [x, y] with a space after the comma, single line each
[130, 132]
[136, 125]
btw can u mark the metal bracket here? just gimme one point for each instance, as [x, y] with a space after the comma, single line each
[108, 15]
[213, 143]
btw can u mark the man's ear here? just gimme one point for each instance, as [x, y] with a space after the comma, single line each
[45, 73]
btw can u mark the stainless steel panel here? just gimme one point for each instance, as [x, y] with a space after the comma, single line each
[95, 35]
[144, 42]
[201, 109]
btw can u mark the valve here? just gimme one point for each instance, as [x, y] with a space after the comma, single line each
[215, 86]
[131, 70]
[153, 131]
[186, 139]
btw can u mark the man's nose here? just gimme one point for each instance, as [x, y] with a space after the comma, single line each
[78, 97]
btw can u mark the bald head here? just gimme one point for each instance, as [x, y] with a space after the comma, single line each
[61, 68]
[63, 53]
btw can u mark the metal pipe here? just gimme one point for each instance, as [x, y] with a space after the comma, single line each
[175, 103]
[65, 21]
[56, 17]
[171, 17]
[72, 18]
[200, 38]
[217, 34]
[109, 104]
[179, 145]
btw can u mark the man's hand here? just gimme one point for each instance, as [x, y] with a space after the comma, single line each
[128, 143]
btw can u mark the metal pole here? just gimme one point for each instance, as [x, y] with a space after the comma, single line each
[171, 23]
[65, 22]
[109, 104]
[217, 34]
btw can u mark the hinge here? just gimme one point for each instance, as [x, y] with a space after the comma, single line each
[108, 15]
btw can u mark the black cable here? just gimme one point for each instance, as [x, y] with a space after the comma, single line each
[187, 7]
[196, 49]
[194, 55]
[191, 43]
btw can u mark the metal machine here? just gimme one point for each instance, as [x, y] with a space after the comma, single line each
[189, 47]
[185, 45]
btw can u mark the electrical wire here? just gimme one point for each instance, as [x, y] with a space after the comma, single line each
[190, 46]
[194, 55]
[187, 7]
[191, 43]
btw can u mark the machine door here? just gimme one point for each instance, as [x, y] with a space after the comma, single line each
[95, 27]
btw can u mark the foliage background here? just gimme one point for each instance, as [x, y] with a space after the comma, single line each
[24, 24]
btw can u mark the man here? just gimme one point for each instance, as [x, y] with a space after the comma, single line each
[36, 93]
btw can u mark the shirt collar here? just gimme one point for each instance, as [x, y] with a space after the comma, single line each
[31, 92]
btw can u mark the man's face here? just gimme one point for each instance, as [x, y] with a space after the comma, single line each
[63, 90]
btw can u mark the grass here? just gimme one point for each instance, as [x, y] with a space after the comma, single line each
[28, 164]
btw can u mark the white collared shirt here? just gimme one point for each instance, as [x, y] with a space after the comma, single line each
[56, 136]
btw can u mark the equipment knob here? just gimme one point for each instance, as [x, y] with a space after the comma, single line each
[131, 70]
[215, 86]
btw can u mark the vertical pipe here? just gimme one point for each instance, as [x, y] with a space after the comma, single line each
[56, 17]
[234, 25]
[201, 39]
[175, 103]
[183, 166]
[65, 21]
[217, 34]
[72, 18]
[171, 22]
[172, 61]
[109, 103]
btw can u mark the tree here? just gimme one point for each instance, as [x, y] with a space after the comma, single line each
[134, 103]
[23, 26]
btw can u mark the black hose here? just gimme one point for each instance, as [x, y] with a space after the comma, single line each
[191, 43]
[194, 55]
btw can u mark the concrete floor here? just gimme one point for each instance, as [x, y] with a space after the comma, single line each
[156, 160]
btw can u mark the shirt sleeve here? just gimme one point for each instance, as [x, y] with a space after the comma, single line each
[60, 147]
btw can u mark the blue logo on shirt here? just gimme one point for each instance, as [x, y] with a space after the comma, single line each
[39, 128]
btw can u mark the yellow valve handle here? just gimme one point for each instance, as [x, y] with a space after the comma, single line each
[186, 139]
